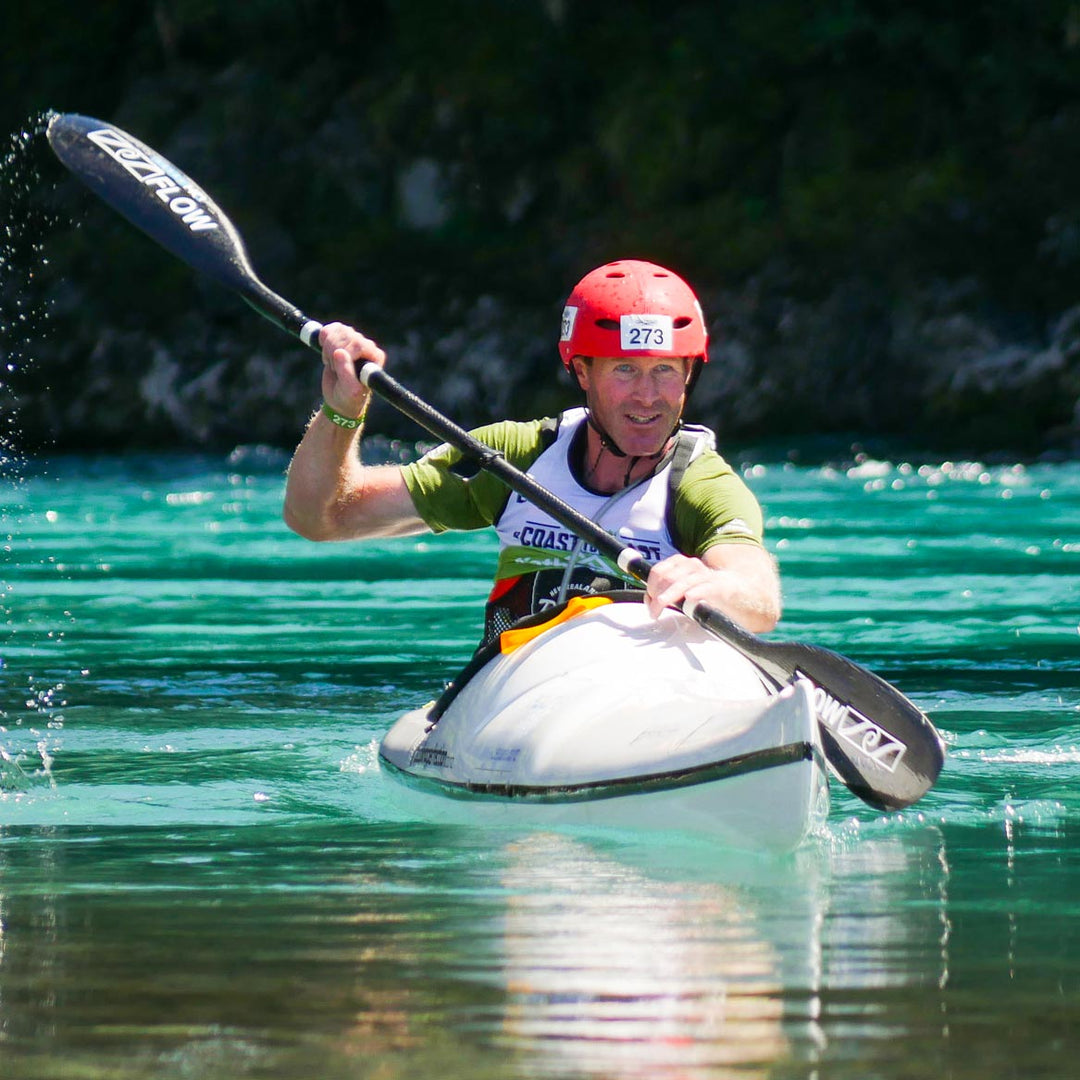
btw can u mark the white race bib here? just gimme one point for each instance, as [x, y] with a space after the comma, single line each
[646, 332]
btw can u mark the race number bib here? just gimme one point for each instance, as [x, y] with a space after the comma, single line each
[645, 333]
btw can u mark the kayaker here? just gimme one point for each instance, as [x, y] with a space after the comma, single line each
[634, 337]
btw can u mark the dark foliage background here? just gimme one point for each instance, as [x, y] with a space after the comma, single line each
[878, 203]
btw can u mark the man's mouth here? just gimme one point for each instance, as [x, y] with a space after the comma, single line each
[636, 418]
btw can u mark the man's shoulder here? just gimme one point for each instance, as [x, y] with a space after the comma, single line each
[706, 465]
[713, 503]
[518, 439]
[510, 428]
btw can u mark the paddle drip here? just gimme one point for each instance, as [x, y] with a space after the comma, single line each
[29, 713]
[24, 299]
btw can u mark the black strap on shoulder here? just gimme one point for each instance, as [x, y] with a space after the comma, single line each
[549, 430]
[680, 461]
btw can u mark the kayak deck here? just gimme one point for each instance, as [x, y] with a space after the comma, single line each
[614, 718]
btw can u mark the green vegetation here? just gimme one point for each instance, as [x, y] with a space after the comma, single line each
[870, 197]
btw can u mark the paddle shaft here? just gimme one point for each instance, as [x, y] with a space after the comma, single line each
[879, 743]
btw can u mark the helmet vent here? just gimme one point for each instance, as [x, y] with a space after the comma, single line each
[607, 324]
[681, 321]
[616, 274]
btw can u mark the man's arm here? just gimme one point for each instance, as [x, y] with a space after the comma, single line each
[330, 494]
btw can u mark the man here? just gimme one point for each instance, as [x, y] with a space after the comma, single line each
[633, 336]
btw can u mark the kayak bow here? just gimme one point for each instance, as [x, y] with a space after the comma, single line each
[612, 718]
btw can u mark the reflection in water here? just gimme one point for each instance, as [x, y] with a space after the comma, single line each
[891, 897]
[342, 952]
[678, 962]
[614, 973]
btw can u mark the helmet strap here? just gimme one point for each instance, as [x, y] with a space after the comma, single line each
[693, 375]
[608, 443]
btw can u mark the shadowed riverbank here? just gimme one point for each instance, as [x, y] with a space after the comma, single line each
[892, 256]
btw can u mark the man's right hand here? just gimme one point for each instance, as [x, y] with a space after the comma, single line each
[344, 351]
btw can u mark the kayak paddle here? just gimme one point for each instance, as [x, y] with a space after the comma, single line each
[881, 745]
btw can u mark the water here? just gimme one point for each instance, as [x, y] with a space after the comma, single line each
[202, 873]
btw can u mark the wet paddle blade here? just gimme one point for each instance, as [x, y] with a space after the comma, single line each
[166, 204]
[880, 744]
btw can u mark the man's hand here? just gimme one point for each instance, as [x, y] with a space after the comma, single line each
[344, 351]
[738, 579]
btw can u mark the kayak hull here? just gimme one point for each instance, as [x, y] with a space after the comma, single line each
[618, 720]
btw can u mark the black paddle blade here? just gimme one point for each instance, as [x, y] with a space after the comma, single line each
[166, 204]
[880, 744]
[152, 194]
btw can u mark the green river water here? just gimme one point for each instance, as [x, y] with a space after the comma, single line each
[202, 873]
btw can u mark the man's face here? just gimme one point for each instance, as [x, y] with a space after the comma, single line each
[636, 401]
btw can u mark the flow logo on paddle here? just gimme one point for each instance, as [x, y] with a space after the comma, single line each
[178, 194]
[847, 723]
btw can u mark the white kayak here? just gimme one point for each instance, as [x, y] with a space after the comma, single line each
[612, 718]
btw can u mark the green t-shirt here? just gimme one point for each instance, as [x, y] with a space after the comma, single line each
[712, 504]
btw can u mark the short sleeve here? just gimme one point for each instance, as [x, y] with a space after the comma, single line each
[451, 492]
[714, 506]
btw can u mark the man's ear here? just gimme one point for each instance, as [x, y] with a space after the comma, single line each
[580, 364]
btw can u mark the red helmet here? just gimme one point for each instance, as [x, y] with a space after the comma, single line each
[632, 308]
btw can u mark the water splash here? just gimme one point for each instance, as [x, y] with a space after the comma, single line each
[27, 220]
[29, 706]
[29, 738]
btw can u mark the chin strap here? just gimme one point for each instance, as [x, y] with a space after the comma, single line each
[608, 443]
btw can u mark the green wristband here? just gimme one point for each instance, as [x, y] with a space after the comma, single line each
[347, 422]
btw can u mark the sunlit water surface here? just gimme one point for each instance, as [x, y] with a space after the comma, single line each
[203, 874]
